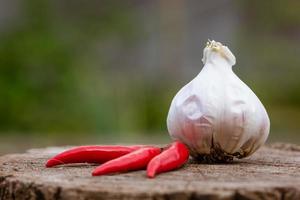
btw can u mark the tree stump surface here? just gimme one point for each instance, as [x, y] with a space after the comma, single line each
[273, 172]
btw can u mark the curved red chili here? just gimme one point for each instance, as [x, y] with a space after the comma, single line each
[91, 154]
[173, 157]
[135, 160]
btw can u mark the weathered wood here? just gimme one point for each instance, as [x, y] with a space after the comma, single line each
[271, 173]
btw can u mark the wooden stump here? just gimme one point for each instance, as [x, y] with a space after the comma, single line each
[271, 173]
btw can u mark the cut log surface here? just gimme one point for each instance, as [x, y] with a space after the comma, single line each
[273, 172]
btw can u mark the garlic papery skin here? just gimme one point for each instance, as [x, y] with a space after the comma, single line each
[216, 114]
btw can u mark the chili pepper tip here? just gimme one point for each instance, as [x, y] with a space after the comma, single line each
[52, 162]
[151, 174]
[135, 160]
[171, 158]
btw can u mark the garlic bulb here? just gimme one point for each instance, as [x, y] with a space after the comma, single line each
[216, 114]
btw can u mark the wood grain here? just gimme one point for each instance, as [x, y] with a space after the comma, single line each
[273, 172]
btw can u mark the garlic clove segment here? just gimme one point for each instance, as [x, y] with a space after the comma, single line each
[216, 114]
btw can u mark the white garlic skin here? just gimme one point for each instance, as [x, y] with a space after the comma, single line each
[217, 111]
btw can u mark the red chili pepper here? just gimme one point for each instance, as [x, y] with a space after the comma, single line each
[91, 154]
[133, 161]
[173, 157]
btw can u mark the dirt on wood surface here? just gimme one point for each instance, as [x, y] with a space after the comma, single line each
[271, 173]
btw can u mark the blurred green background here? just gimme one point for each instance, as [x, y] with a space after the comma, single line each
[105, 71]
